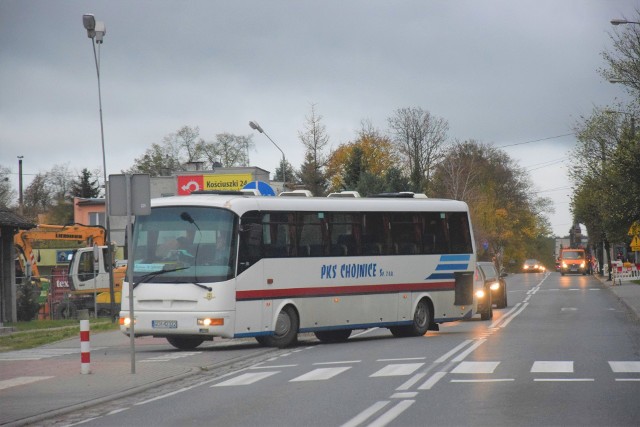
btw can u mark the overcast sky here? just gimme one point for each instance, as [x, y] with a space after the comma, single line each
[516, 74]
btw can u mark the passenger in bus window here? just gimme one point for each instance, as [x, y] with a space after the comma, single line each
[221, 255]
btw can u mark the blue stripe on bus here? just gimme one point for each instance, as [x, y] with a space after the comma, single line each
[448, 258]
[440, 276]
[449, 267]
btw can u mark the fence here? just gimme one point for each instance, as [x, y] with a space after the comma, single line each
[624, 272]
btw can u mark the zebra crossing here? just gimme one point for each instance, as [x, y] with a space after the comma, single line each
[39, 353]
[458, 374]
[46, 353]
[170, 356]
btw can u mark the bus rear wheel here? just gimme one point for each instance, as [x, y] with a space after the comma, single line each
[286, 331]
[421, 319]
[340, 335]
[420, 324]
[185, 343]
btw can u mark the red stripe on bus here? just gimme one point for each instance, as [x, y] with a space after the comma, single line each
[342, 290]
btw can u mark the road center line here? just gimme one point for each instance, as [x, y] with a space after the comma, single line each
[504, 325]
[450, 353]
[432, 380]
[505, 317]
[392, 413]
[362, 416]
[468, 351]
[338, 363]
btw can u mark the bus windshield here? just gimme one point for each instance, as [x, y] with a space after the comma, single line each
[183, 244]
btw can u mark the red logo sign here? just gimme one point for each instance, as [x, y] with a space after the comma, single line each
[189, 183]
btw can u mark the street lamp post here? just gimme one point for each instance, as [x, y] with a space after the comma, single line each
[96, 31]
[256, 126]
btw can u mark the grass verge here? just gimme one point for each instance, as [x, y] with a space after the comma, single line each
[40, 332]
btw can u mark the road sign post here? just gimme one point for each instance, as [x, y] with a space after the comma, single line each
[130, 195]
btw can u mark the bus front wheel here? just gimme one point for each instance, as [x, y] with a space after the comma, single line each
[286, 331]
[340, 335]
[185, 343]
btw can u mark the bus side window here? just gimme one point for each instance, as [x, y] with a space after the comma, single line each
[429, 243]
[372, 248]
[311, 242]
[459, 233]
[250, 241]
[373, 233]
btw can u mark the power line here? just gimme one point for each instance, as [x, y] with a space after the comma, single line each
[537, 140]
[545, 164]
[554, 189]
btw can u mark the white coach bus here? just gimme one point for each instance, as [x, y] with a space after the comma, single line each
[232, 265]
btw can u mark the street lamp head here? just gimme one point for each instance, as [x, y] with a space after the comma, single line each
[256, 126]
[619, 21]
[89, 21]
[95, 29]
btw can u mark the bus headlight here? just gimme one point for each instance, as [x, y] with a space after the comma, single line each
[125, 321]
[211, 321]
[495, 286]
[582, 264]
[480, 293]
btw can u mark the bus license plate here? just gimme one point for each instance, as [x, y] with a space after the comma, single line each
[164, 324]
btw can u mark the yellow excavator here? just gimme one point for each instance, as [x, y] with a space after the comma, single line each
[89, 267]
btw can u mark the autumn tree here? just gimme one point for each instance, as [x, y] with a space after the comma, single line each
[370, 153]
[7, 194]
[37, 198]
[419, 137]
[314, 138]
[623, 60]
[185, 146]
[227, 150]
[507, 217]
[606, 192]
[158, 160]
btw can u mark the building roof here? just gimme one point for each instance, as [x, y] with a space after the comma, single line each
[89, 201]
[10, 219]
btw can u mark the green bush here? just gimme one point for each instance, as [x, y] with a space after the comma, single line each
[27, 306]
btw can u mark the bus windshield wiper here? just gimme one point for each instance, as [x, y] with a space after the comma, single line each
[153, 274]
[198, 285]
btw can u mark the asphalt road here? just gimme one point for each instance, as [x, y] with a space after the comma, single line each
[563, 353]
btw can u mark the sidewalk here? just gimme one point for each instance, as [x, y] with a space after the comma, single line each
[52, 386]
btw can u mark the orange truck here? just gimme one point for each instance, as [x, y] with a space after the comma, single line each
[573, 261]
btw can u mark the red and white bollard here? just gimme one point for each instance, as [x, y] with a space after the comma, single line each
[85, 345]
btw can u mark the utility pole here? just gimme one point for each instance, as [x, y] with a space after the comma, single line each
[20, 200]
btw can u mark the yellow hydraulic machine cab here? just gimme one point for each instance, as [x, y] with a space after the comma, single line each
[85, 236]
